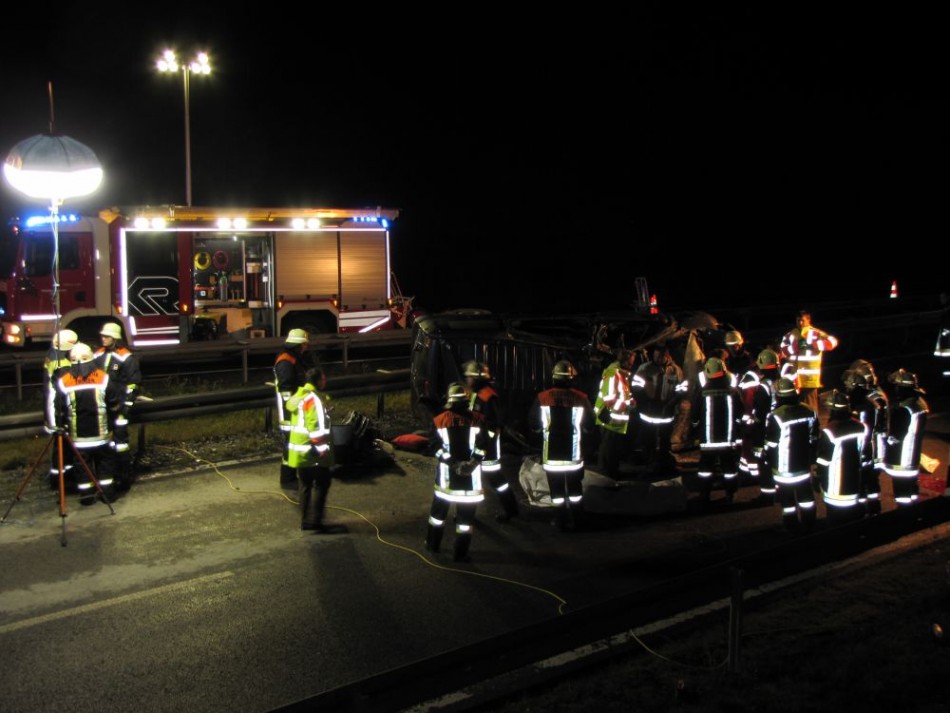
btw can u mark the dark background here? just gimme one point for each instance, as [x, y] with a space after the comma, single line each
[539, 162]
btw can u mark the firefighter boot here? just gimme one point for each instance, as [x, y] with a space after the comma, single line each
[509, 503]
[791, 523]
[288, 476]
[433, 538]
[308, 511]
[460, 554]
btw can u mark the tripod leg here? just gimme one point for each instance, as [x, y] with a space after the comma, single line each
[29, 475]
[62, 486]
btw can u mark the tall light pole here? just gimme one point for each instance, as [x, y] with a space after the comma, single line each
[168, 62]
[53, 167]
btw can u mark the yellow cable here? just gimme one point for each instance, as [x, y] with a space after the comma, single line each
[561, 602]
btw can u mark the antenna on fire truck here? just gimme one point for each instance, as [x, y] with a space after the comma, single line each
[52, 117]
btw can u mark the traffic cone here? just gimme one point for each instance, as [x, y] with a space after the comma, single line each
[654, 309]
[894, 290]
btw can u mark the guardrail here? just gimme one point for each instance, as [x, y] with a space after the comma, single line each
[27, 425]
[225, 350]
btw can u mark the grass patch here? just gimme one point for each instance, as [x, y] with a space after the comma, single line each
[245, 432]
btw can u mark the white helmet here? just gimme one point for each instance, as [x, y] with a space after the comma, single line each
[65, 339]
[297, 336]
[80, 354]
[111, 329]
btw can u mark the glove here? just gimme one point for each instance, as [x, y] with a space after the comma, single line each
[465, 468]
[604, 415]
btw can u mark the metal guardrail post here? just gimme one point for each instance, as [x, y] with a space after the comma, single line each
[735, 620]
[19, 380]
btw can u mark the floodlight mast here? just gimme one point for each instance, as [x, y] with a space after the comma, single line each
[53, 168]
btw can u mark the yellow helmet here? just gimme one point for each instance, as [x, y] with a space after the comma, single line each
[297, 336]
[111, 329]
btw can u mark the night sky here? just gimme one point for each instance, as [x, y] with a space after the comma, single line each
[538, 163]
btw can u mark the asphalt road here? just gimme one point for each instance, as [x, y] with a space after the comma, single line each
[200, 593]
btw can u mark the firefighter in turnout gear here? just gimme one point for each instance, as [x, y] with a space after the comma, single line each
[614, 406]
[791, 437]
[484, 400]
[120, 364]
[869, 404]
[310, 450]
[755, 389]
[658, 387]
[803, 348]
[906, 424]
[458, 478]
[563, 415]
[55, 365]
[86, 398]
[842, 448]
[738, 359]
[290, 369]
[716, 414]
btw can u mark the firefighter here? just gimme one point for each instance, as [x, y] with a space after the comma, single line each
[458, 478]
[803, 348]
[716, 412]
[738, 358]
[484, 400]
[755, 390]
[563, 415]
[310, 450]
[114, 358]
[791, 436]
[86, 397]
[906, 424]
[842, 449]
[614, 406]
[869, 404]
[658, 387]
[55, 365]
[290, 369]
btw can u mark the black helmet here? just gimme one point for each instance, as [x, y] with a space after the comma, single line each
[455, 394]
[905, 379]
[734, 338]
[476, 370]
[564, 371]
[785, 387]
[853, 379]
[866, 369]
[767, 359]
[714, 368]
[837, 401]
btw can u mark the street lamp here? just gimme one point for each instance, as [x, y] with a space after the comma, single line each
[168, 62]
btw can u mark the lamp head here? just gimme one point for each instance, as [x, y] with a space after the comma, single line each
[53, 168]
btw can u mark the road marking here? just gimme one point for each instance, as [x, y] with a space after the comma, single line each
[95, 606]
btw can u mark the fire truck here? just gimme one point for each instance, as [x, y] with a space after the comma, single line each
[174, 274]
